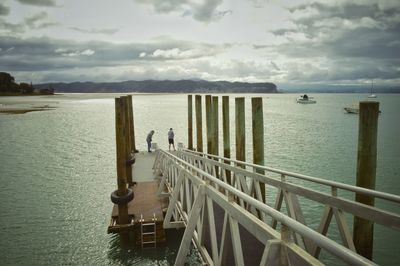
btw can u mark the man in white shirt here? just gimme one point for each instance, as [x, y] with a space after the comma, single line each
[171, 139]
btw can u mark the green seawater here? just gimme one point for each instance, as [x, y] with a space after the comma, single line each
[58, 168]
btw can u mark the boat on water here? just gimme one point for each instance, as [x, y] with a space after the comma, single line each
[371, 95]
[305, 99]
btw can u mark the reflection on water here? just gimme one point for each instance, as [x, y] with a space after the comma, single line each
[121, 254]
[57, 168]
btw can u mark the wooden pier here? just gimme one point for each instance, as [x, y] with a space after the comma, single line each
[221, 202]
[135, 180]
[145, 206]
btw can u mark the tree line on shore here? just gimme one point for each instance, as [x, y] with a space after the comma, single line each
[8, 86]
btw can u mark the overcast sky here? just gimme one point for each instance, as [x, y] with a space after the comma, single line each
[332, 42]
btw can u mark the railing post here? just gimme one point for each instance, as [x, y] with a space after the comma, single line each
[120, 133]
[285, 237]
[199, 123]
[132, 123]
[240, 130]
[190, 123]
[363, 230]
[208, 124]
[258, 137]
[215, 127]
[226, 133]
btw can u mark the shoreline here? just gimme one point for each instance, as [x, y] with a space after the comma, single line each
[24, 110]
[3, 94]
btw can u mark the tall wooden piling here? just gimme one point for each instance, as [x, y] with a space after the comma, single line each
[120, 133]
[209, 124]
[190, 122]
[258, 136]
[240, 130]
[199, 123]
[132, 123]
[128, 138]
[215, 127]
[226, 133]
[363, 230]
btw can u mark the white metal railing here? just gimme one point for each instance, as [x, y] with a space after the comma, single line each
[192, 185]
[329, 183]
[334, 206]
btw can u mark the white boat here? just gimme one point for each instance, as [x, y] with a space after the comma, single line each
[370, 94]
[305, 99]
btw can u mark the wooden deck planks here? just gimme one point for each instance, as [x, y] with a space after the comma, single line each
[145, 202]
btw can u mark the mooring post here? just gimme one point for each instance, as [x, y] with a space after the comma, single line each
[240, 130]
[363, 230]
[226, 133]
[120, 133]
[132, 123]
[190, 123]
[215, 127]
[199, 123]
[128, 139]
[209, 124]
[258, 137]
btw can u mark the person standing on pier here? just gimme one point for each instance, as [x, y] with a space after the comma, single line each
[171, 139]
[149, 139]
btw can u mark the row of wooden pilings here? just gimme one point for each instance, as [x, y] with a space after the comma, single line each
[366, 157]
[125, 149]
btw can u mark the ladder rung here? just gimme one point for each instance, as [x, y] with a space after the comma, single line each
[147, 224]
[149, 242]
[149, 233]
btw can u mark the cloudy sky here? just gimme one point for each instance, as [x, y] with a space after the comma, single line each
[288, 42]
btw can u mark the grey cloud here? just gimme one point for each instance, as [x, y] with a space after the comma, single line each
[204, 12]
[39, 21]
[260, 46]
[42, 54]
[4, 10]
[378, 40]
[6, 27]
[38, 2]
[346, 10]
[352, 14]
[336, 71]
[340, 42]
[165, 6]
[208, 11]
[108, 31]
[204, 69]
[275, 66]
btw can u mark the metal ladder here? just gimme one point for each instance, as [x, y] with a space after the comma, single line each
[145, 230]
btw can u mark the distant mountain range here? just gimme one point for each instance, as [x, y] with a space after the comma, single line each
[163, 86]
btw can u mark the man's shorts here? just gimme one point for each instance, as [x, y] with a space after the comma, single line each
[171, 141]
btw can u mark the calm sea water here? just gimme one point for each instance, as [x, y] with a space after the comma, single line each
[57, 168]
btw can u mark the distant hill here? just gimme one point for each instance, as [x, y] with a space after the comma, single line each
[160, 86]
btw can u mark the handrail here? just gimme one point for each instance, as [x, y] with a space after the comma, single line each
[329, 245]
[360, 190]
